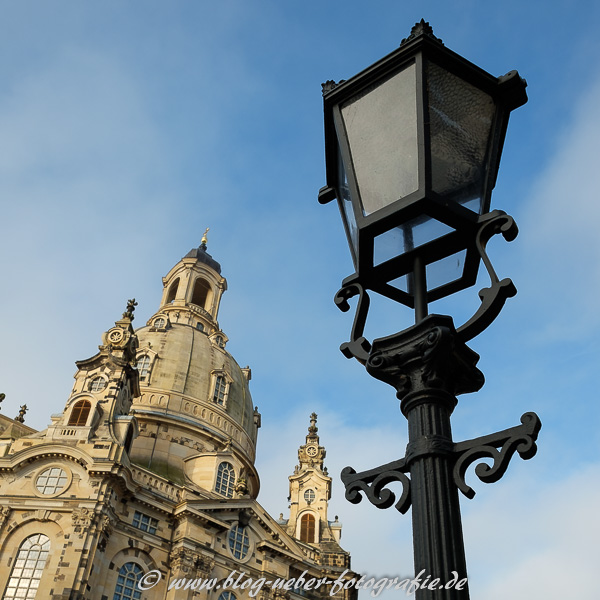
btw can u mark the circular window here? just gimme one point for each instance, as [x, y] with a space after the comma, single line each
[309, 496]
[160, 322]
[52, 481]
[239, 541]
[97, 384]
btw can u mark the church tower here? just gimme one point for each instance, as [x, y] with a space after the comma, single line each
[147, 476]
[310, 492]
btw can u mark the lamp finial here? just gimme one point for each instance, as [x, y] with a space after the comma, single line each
[421, 28]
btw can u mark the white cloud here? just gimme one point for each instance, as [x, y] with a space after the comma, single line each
[380, 541]
[524, 537]
[537, 540]
[81, 165]
[560, 230]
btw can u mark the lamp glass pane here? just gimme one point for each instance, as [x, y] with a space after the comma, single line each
[381, 125]
[401, 283]
[407, 237]
[346, 205]
[446, 270]
[460, 117]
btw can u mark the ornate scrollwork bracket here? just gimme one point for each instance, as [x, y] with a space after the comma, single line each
[373, 484]
[500, 447]
[358, 346]
[494, 297]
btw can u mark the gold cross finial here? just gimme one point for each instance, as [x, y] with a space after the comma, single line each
[204, 239]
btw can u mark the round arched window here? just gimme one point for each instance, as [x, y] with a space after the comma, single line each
[307, 528]
[127, 582]
[143, 367]
[225, 479]
[80, 413]
[27, 570]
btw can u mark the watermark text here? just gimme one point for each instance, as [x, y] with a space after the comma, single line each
[240, 581]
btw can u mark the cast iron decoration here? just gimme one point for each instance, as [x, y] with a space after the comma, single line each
[413, 146]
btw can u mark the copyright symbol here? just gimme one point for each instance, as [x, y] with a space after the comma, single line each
[149, 580]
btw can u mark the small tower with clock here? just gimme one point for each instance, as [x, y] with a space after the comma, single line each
[310, 491]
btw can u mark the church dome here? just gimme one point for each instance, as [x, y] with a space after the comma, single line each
[197, 368]
[195, 410]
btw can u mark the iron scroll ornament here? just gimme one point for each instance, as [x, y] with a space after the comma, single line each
[492, 298]
[373, 484]
[500, 447]
[358, 346]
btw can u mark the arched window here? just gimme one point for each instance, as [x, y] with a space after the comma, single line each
[29, 565]
[143, 367]
[160, 323]
[227, 596]
[200, 295]
[80, 413]
[220, 390]
[225, 480]
[307, 528]
[239, 541]
[129, 575]
[172, 291]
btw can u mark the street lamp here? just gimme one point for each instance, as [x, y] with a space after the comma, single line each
[412, 146]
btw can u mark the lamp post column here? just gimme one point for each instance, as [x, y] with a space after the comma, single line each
[428, 366]
[437, 531]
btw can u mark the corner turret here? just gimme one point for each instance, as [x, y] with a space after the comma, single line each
[97, 416]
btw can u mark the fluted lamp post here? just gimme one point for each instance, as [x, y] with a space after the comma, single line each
[412, 146]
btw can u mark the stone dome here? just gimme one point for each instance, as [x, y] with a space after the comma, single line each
[186, 364]
[195, 410]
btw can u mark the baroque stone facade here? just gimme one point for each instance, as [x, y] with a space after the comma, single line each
[148, 473]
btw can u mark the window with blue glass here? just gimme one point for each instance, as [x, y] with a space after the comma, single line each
[239, 541]
[144, 522]
[225, 480]
[127, 589]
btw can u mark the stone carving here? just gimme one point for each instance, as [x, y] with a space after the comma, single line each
[186, 562]
[4, 514]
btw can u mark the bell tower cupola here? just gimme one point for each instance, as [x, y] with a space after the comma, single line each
[192, 290]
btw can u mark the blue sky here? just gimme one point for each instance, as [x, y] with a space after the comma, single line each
[127, 128]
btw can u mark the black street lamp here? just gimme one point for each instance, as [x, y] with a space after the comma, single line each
[413, 145]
